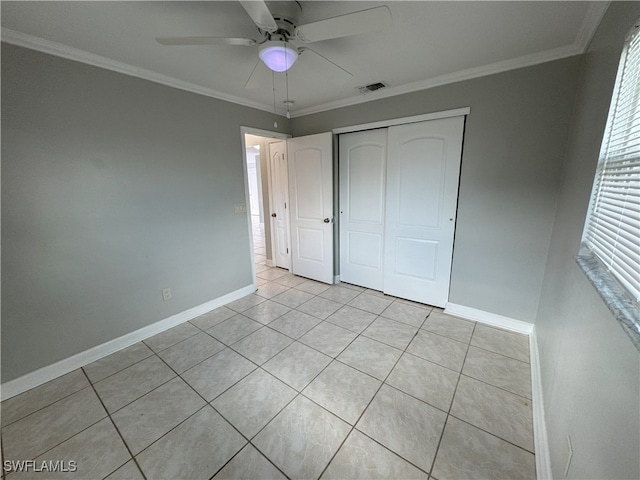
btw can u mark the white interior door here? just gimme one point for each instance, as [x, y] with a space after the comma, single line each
[363, 164]
[311, 209]
[252, 174]
[423, 168]
[279, 203]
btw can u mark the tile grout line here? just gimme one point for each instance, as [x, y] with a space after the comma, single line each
[118, 371]
[501, 354]
[449, 414]
[248, 444]
[383, 382]
[136, 398]
[298, 392]
[247, 439]
[496, 386]
[66, 439]
[48, 405]
[453, 397]
[207, 404]
[468, 345]
[210, 404]
[117, 430]
[490, 433]
[175, 426]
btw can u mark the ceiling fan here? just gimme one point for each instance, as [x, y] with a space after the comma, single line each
[280, 33]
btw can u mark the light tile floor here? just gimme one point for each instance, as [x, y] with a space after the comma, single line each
[299, 380]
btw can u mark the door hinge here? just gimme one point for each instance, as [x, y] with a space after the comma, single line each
[285, 205]
[287, 251]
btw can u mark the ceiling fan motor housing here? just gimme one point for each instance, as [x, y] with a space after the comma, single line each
[286, 15]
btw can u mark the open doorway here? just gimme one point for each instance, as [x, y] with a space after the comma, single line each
[256, 147]
[256, 207]
[298, 235]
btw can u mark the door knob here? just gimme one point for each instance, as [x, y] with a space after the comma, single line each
[273, 215]
[326, 220]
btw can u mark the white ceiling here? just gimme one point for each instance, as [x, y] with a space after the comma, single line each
[429, 43]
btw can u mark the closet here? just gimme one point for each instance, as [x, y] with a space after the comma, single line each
[398, 200]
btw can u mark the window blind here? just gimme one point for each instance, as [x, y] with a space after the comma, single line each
[612, 231]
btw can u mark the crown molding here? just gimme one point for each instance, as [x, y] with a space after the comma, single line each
[476, 72]
[590, 23]
[59, 50]
[592, 19]
[595, 12]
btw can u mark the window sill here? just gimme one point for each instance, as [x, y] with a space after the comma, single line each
[624, 308]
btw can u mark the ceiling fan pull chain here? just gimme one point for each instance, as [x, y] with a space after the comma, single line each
[286, 79]
[273, 82]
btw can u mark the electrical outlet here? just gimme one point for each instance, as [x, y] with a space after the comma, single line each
[239, 208]
[166, 294]
[569, 456]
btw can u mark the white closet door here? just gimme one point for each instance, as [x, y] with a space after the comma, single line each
[311, 195]
[423, 169]
[363, 164]
[279, 215]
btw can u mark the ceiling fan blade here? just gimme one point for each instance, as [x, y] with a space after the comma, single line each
[355, 23]
[260, 14]
[323, 66]
[260, 76]
[176, 41]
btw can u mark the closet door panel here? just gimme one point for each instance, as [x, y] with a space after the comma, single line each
[362, 207]
[423, 168]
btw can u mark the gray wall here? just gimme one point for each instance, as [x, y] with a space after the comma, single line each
[514, 144]
[590, 368]
[113, 188]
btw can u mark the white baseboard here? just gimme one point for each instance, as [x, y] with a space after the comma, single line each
[488, 318]
[45, 374]
[541, 442]
[336, 279]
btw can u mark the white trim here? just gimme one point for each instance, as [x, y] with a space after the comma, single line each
[404, 120]
[336, 279]
[247, 204]
[489, 318]
[272, 234]
[45, 374]
[540, 439]
[468, 74]
[541, 442]
[591, 21]
[261, 133]
[59, 50]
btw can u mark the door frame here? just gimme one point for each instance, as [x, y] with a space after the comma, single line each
[457, 112]
[261, 133]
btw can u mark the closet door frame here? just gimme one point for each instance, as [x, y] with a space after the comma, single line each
[390, 123]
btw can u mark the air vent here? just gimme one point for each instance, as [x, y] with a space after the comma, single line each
[372, 87]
